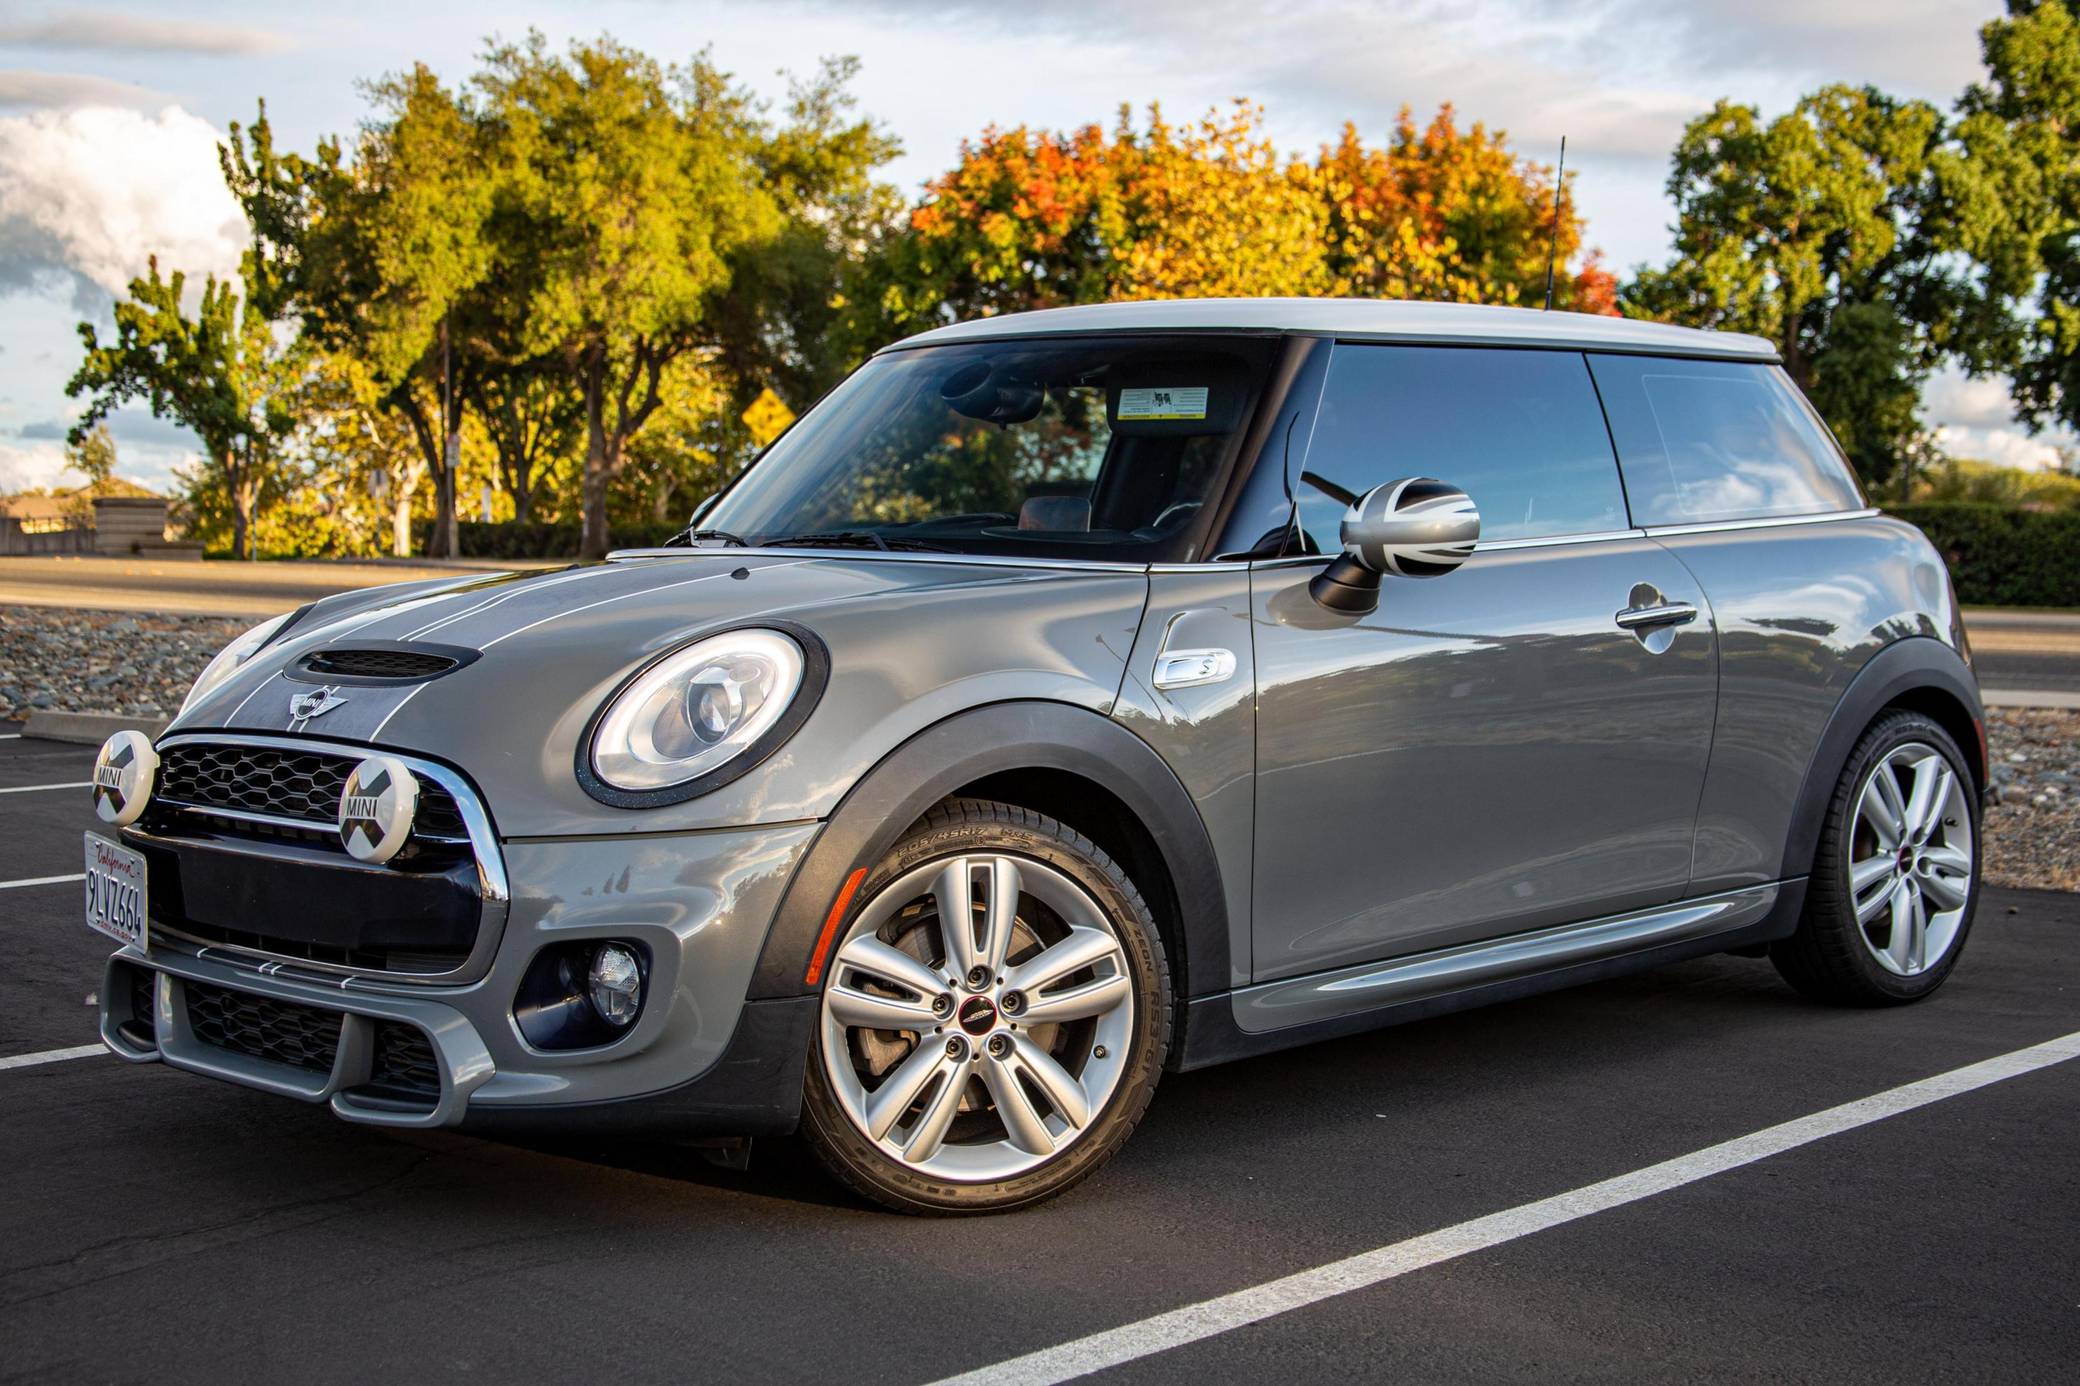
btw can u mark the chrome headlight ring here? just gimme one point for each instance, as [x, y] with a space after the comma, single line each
[640, 749]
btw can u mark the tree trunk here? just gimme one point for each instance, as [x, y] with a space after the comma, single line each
[241, 508]
[599, 461]
[599, 470]
[401, 525]
[451, 467]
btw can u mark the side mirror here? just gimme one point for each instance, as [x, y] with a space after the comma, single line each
[1414, 527]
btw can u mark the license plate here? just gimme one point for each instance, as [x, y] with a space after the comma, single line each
[116, 899]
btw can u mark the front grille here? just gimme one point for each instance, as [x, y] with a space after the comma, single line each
[262, 1027]
[403, 666]
[283, 783]
[255, 779]
[404, 1068]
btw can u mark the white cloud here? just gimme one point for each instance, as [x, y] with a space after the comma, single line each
[30, 466]
[116, 31]
[88, 195]
[21, 89]
[1923, 48]
[1976, 418]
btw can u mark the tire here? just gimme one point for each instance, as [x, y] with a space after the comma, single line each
[991, 1127]
[1856, 944]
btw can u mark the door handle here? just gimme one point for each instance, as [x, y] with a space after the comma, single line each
[1659, 614]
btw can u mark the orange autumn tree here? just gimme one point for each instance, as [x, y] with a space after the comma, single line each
[1451, 215]
[1038, 219]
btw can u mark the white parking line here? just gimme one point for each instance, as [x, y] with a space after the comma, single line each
[52, 1056]
[43, 880]
[1211, 1317]
[32, 788]
[10, 736]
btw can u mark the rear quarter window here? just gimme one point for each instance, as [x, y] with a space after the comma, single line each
[1702, 442]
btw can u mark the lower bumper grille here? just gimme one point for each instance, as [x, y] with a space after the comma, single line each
[404, 1068]
[142, 1028]
[263, 1028]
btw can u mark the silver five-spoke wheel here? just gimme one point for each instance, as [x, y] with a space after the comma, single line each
[1910, 859]
[978, 1016]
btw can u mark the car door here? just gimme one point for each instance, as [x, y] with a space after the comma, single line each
[1500, 749]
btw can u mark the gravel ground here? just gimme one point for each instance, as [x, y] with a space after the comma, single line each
[100, 661]
[2033, 823]
[103, 661]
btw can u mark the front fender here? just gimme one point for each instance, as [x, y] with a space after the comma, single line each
[987, 741]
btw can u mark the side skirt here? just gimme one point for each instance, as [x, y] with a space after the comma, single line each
[1300, 1010]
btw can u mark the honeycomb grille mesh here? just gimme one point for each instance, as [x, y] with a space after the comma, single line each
[401, 665]
[263, 1028]
[304, 785]
[404, 1064]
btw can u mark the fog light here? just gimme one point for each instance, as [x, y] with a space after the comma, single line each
[616, 985]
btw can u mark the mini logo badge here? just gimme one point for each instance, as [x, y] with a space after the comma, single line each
[375, 808]
[304, 706]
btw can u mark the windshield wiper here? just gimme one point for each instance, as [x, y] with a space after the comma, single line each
[687, 538]
[853, 539]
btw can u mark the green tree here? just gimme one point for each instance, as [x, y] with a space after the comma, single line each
[2020, 137]
[784, 322]
[382, 251]
[92, 454]
[1827, 231]
[625, 191]
[225, 371]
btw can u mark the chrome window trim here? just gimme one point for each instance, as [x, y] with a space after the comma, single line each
[492, 882]
[1548, 541]
[1762, 522]
[1538, 541]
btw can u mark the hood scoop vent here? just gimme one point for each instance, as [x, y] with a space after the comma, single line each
[382, 661]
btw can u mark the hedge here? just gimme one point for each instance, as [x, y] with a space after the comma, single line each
[2004, 557]
[1998, 556]
[535, 539]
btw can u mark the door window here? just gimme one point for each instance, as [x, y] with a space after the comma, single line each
[1519, 431]
[1702, 442]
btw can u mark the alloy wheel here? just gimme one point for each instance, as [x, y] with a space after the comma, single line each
[978, 1016]
[1910, 858]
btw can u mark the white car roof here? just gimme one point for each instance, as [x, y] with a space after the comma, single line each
[1386, 320]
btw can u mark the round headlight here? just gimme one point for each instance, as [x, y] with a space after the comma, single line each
[696, 709]
[227, 660]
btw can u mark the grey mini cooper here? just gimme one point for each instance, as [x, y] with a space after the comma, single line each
[1071, 697]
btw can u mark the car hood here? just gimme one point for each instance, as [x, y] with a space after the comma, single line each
[911, 640]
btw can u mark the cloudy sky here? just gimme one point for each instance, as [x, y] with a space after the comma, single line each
[109, 117]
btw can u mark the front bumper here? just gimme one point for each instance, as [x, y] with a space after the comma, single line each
[695, 1060]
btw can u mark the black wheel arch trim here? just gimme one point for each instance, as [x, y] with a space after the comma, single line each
[991, 740]
[1916, 664]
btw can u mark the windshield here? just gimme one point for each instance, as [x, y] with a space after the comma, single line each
[1070, 447]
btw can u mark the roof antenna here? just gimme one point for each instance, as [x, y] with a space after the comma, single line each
[1553, 242]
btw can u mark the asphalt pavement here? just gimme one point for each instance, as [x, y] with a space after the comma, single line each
[163, 1226]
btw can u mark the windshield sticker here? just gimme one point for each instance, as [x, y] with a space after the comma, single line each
[1163, 403]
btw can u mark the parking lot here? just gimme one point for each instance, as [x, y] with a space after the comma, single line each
[162, 1226]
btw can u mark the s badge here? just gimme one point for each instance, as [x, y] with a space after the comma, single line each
[376, 807]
